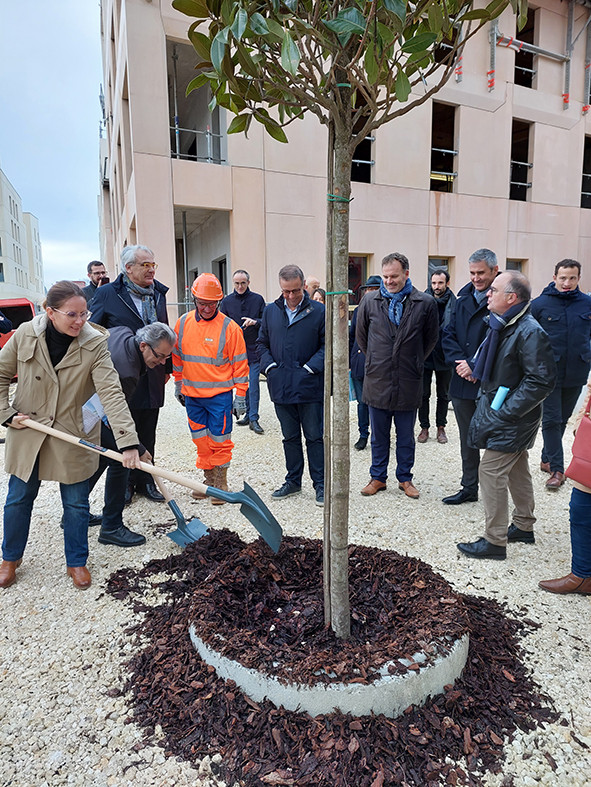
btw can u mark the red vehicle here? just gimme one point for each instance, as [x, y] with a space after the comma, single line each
[17, 310]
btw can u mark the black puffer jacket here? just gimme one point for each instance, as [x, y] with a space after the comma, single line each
[524, 362]
[395, 356]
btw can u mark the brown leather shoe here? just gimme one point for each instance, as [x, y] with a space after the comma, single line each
[568, 584]
[555, 481]
[80, 576]
[545, 467]
[423, 436]
[409, 489]
[8, 572]
[373, 487]
[441, 436]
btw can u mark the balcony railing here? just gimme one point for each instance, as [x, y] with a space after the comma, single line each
[195, 145]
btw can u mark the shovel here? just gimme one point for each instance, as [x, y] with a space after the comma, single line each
[251, 505]
[186, 532]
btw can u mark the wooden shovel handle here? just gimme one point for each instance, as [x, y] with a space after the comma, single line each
[155, 471]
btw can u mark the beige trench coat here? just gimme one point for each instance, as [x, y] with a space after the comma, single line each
[55, 397]
[578, 419]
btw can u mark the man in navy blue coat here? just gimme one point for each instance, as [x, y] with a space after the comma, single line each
[291, 352]
[246, 308]
[564, 312]
[134, 299]
[460, 339]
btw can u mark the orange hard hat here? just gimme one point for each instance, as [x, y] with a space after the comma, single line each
[206, 287]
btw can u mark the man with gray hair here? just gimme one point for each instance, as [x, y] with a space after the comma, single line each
[516, 369]
[132, 355]
[136, 299]
[461, 337]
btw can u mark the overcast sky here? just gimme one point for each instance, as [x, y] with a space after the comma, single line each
[50, 75]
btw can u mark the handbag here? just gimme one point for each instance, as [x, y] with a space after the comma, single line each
[579, 469]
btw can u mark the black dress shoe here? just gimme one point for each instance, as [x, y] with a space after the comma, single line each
[129, 493]
[122, 537]
[242, 421]
[516, 534]
[256, 427]
[463, 496]
[360, 444]
[483, 549]
[150, 491]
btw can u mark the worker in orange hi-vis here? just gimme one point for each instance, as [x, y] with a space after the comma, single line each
[208, 362]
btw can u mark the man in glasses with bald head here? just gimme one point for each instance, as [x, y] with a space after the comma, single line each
[135, 298]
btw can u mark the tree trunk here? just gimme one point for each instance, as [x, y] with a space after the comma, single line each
[337, 512]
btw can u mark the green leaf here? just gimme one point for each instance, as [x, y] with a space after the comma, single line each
[420, 42]
[258, 25]
[218, 49]
[402, 87]
[238, 124]
[371, 65]
[239, 24]
[191, 8]
[495, 8]
[476, 13]
[397, 7]
[196, 83]
[272, 128]
[201, 44]
[349, 20]
[435, 18]
[246, 62]
[276, 29]
[386, 33]
[290, 54]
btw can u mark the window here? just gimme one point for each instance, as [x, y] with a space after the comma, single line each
[524, 61]
[435, 263]
[516, 265]
[520, 166]
[357, 277]
[586, 184]
[362, 161]
[442, 147]
[1, 271]
[220, 269]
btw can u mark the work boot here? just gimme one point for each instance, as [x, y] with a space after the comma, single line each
[8, 572]
[221, 482]
[208, 480]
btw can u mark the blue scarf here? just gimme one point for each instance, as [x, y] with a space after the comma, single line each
[396, 299]
[146, 295]
[485, 355]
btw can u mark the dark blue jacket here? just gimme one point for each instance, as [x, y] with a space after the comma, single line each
[111, 307]
[5, 324]
[248, 304]
[290, 347]
[356, 357]
[462, 336]
[566, 318]
[445, 307]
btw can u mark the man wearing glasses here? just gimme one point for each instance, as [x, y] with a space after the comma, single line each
[135, 299]
[291, 352]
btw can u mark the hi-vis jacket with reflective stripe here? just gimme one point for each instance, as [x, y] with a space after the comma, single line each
[210, 356]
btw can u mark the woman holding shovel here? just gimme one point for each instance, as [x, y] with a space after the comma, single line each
[61, 360]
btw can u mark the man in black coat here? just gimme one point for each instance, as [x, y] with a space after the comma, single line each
[97, 273]
[461, 337]
[134, 299]
[397, 328]
[246, 308]
[5, 324]
[291, 352]
[515, 365]
[357, 366]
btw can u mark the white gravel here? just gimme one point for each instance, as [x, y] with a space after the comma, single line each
[61, 650]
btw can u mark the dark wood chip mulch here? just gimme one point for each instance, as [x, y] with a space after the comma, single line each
[398, 605]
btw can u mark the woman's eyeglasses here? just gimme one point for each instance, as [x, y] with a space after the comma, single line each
[74, 315]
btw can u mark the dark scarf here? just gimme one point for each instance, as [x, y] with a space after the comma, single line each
[485, 354]
[147, 297]
[57, 343]
[395, 300]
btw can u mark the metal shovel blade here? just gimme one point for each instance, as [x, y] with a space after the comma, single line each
[186, 532]
[257, 513]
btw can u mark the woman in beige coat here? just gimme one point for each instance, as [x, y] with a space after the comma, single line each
[579, 580]
[61, 360]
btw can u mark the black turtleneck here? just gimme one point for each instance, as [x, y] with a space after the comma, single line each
[57, 343]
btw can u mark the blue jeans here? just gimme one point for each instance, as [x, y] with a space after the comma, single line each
[17, 518]
[253, 395]
[381, 423]
[556, 410]
[306, 417]
[362, 408]
[580, 533]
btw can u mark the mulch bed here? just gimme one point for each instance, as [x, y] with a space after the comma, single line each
[268, 609]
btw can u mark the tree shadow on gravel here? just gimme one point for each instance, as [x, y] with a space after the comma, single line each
[269, 609]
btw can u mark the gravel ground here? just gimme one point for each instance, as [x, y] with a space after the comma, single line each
[62, 650]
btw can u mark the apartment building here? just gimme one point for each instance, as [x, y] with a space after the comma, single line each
[21, 262]
[500, 158]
